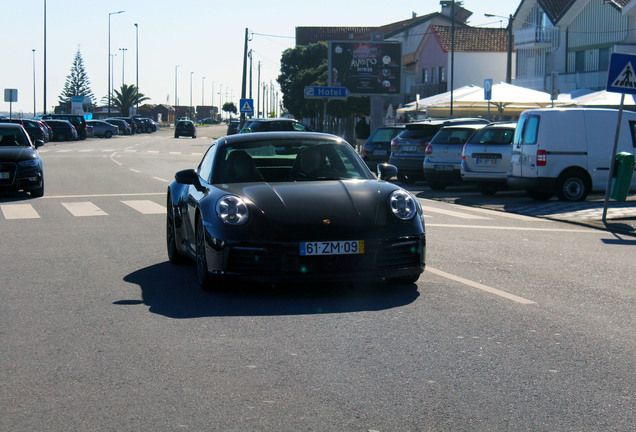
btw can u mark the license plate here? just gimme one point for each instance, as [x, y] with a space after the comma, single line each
[4, 175]
[443, 167]
[379, 152]
[409, 148]
[485, 161]
[332, 247]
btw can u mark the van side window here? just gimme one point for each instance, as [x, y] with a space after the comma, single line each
[632, 129]
[530, 130]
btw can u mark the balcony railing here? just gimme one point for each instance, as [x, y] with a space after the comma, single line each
[567, 82]
[536, 37]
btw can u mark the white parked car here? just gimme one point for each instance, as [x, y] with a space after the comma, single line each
[486, 157]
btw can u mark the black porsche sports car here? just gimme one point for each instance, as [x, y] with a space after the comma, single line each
[292, 207]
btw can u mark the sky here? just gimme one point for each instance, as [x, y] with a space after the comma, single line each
[202, 40]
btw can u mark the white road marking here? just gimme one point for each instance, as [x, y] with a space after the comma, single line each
[153, 151]
[130, 151]
[482, 287]
[134, 170]
[81, 209]
[86, 150]
[104, 195]
[19, 211]
[504, 214]
[63, 151]
[161, 180]
[453, 213]
[175, 153]
[579, 230]
[146, 206]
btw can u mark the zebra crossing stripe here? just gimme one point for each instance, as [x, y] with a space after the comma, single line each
[146, 206]
[19, 211]
[81, 209]
[456, 214]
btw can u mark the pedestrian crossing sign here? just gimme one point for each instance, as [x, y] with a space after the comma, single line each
[621, 77]
[246, 106]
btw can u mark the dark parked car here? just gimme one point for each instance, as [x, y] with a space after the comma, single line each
[133, 124]
[103, 129]
[34, 128]
[274, 124]
[409, 147]
[63, 130]
[144, 124]
[292, 207]
[20, 163]
[442, 164]
[377, 148]
[233, 127]
[124, 127]
[185, 128]
[76, 120]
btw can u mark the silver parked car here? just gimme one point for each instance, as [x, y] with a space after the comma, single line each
[444, 155]
[103, 129]
[486, 157]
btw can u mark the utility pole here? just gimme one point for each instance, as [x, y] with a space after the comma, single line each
[244, 73]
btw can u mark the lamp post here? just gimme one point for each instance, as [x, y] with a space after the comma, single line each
[44, 80]
[190, 116]
[34, 114]
[137, 67]
[176, 100]
[203, 91]
[109, 83]
[511, 20]
[123, 57]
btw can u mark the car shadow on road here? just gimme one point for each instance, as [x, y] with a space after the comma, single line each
[172, 291]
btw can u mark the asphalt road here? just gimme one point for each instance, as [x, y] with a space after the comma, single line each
[519, 322]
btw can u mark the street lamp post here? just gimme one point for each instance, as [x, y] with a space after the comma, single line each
[203, 91]
[123, 57]
[109, 83]
[191, 73]
[34, 113]
[176, 100]
[137, 66]
[511, 20]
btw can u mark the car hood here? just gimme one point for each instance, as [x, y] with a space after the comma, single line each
[342, 203]
[16, 153]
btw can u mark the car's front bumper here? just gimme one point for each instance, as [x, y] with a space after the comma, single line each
[281, 262]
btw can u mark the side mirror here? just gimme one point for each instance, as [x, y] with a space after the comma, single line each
[386, 171]
[38, 143]
[189, 177]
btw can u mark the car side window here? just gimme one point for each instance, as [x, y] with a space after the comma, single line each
[299, 127]
[205, 168]
[530, 130]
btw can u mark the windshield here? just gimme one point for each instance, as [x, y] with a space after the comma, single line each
[13, 137]
[420, 132]
[452, 136]
[385, 135]
[493, 136]
[287, 160]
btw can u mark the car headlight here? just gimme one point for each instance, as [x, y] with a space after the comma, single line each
[29, 163]
[403, 205]
[232, 210]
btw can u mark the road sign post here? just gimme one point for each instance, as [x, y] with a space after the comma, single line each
[488, 93]
[620, 79]
[246, 106]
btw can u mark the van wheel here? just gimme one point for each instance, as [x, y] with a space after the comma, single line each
[539, 195]
[572, 186]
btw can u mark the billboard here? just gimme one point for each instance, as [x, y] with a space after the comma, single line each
[366, 67]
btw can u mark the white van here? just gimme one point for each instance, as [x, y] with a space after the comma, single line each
[567, 151]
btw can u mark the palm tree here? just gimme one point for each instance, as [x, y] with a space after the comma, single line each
[126, 98]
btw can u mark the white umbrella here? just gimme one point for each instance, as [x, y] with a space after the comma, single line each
[602, 98]
[439, 98]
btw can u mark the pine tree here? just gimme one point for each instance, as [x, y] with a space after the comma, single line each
[77, 82]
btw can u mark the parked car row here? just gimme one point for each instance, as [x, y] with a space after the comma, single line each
[550, 151]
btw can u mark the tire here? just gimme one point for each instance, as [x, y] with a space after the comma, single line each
[148, 129]
[403, 280]
[171, 237]
[176, 136]
[487, 188]
[539, 195]
[437, 186]
[61, 138]
[194, 136]
[206, 281]
[108, 134]
[572, 186]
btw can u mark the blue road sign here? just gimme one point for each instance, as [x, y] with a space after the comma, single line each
[621, 77]
[246, 106]
[488, 89]
[314, 92]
